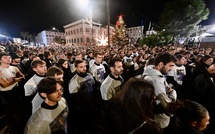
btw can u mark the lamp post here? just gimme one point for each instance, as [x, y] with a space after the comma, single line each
[108, 21]
[58, 36]
[89, 19]
[55, 29]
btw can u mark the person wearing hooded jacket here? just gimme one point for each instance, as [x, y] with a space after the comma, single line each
[155, 74]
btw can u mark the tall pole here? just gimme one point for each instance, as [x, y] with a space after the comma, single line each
[108, 21]
[91, 19]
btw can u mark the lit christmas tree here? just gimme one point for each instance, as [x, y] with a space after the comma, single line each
[119, 34]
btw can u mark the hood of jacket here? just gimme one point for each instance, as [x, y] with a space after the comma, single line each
[150, 71]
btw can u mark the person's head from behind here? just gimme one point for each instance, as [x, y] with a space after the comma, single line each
[140, 59]
[137, 97]
[192, 114]
[41, 56]
[198, 58]
[55, 72]
[69, 56]
[150, 61]
[80, 66]
[51, 90]
[116, 67]
[39, 66]
[62, 63]
[35, 57]
[164, 62]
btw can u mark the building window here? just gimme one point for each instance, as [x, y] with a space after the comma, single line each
[87, 30]
[74, 40]
[78, 40]
[71, 32]
[77, 30]
[88, 39]
[74, 32]
[81, 40]
[81, 29]
[69, 40]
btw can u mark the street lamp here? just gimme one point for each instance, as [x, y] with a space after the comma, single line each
[84, 4]
[108, 21]
[89, 19]
[55, 29]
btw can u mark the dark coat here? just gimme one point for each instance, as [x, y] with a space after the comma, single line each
[204, 90]
[185, 130]
[48, 63]
[203, 93]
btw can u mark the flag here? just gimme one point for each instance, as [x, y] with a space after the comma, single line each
[149, 28]
[142, 26]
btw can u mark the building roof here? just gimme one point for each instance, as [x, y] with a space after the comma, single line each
[78, 21]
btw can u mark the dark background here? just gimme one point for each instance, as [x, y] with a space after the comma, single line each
[37, 15]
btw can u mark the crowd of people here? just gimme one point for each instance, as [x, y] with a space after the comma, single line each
[116, 89]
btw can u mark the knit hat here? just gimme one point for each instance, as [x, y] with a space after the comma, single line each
[14, 56]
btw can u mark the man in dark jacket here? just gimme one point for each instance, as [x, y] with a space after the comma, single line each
[81, 103]
[203, 92]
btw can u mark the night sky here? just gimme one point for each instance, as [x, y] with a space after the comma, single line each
[37, 15]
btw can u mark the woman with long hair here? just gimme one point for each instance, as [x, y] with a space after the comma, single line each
[67, 75]
[191, 118]
[132, 110]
